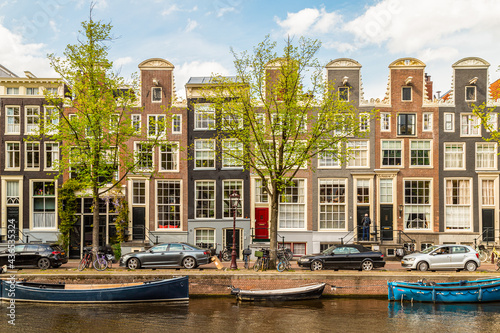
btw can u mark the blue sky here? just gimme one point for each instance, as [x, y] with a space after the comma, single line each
[196, 36]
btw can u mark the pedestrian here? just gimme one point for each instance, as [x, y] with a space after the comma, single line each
[366, 227]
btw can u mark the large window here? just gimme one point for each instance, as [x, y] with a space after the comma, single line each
[138, 192]
[204, 116]
[232, 153]
[386, 191]
[260, 192]
[169, 157]
[205, 199]
[363, 191]
[328, 159]
[51, 155]
[392, 151]
[292, 206]
[168, 199]
[406, 124]
[488, 192]
[32, 120]
[420, 153]
[44, 204]
[156, 125]
[13, 120]
[454, 155]
[231, 186]
[204, 237]
[417, 208]
[470, 125]
[358, 153]
[12, 156]
[486, 156]
[32, 155]
[144, 156]
[51, 120]
[332, 204]
[458, 204]
[204, 154]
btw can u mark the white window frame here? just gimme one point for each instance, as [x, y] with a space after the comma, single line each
[296, 209]
[327, 160]
[233, 147]
[386, 195]
[449, 154]
[204, 150]
[153, 89]
[419, 148]
[33, 152]
[364, 122]
[204, 116]
[169, 207]
[331, 204]
[472, 126]
[492, 155]
[177, 122]
[139, 189]
[340, 95]
[260, 192]
[210, 200]
[414, 125]
[427, 124]
[10, 156]
[32, 91]
[11, 126]
[411, 94]
[136, 119]
[138, 151]
[53, 153]
[32, 204]
[492, 122]
[34, 117]
[355, 153]
[228, 186]
[385, 122]
[209, 238]
[158, 121]
[451, 122]
[174, 156]
[48, 111]
[488, 194]
[451, 206]
[475, 94]
[420, 208]
[382, 165]
[12, 91]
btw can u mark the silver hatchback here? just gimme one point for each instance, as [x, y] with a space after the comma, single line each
[439, 257]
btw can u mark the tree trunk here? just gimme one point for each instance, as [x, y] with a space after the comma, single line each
[273, 232]
[95, 228]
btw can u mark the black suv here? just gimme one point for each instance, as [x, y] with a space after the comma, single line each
[42, 256]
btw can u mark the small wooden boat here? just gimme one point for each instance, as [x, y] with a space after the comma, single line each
[176, 289]
[476, 291]
[289, 294]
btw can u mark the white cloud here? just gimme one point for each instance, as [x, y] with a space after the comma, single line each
[170, 10]
[183, 72]
[18, 56]
[221, 12]
[309, 21]
[122, 61]
[191, 25]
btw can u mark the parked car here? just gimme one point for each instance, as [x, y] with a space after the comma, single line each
[42, 256]
[166, 255]
[344, 257]
[439, 257]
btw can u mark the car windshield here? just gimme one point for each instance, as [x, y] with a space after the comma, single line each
[430, 249]
[329, 250]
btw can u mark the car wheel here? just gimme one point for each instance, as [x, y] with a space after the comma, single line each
[316, 265]
[43, 263]
[189, 263]
[470, 266]
[133, 263]
[423, 266]
[367, 265]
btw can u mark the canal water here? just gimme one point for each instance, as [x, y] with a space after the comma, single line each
[226, 315]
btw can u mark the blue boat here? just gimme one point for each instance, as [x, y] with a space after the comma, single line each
[477, 291]
[176, 289]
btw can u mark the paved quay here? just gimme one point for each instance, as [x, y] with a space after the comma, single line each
[207, 280]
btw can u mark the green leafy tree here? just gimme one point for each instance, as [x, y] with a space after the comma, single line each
[486, 113]
[93, 120]
[280, 112]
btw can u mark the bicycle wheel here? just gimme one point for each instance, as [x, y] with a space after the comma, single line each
[281, 266]
[257, 264]
[83, 264]
[100, 264]
[483, 255]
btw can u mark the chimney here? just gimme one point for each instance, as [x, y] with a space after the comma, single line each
[428, 86]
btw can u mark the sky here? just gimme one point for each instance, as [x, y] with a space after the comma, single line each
[196, 36]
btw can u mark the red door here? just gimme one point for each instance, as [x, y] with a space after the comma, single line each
[261, 223]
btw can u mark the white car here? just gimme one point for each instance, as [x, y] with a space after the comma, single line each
[439, 257]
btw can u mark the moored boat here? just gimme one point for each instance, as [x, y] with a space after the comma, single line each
[464, 291]
[288, 294]
[175, 289]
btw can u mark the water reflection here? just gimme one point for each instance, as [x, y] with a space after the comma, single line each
[228, 315]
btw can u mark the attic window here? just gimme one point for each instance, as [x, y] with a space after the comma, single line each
[470, 93]
[344, 94]
[406, 94]
[156, 94]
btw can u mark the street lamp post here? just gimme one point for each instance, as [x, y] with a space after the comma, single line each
[234, 201]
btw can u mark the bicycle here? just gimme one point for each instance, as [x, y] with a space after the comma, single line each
[283, 264]
[86, 261]
[495, 253]
[284, 251]
[101, 263]
[483, 253]
[262, 262]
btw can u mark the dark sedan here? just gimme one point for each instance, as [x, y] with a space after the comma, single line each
[42, 256]
[344, 257]
[166, 255]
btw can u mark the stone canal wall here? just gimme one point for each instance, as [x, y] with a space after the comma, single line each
[204, 284]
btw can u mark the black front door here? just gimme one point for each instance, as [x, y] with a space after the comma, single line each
[488, 225]
[386, 222]
[13, 221]
[229, 240]
[138, 223]
[361, 211]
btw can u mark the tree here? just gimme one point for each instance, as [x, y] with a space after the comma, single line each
[93, 120]
[278, 123]
[485, 112]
